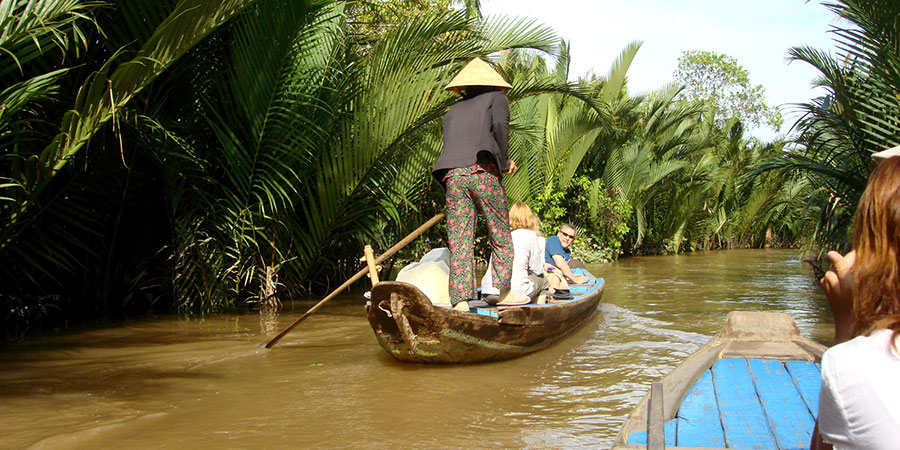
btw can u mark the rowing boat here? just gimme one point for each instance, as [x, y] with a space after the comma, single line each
[411, 328]
[754, 385]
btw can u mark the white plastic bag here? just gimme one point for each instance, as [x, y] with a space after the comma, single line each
[431, 275]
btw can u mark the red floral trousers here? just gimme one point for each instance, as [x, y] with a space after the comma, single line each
[470, 193]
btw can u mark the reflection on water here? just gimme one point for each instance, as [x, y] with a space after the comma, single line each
[268, 321]
[209, 383]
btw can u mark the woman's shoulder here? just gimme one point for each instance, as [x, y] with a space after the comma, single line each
[860, 352]
[524, 235]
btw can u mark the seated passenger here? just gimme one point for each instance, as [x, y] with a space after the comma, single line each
[557, 281]
[527, 267]
[859, 402]
[559, 255]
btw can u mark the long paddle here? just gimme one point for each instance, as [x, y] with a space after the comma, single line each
[418, 231]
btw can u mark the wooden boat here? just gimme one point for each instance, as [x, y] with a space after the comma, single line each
[411, 328]
[754, 385]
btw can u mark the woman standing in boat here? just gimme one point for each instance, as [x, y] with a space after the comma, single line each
[859, 403]
[470, 169]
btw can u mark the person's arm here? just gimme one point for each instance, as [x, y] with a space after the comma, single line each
[500, 131]
[563, 267]
[838, 285]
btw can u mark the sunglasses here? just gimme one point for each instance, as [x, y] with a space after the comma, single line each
[570, 236]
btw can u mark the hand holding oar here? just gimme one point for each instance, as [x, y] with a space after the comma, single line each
[412, 236]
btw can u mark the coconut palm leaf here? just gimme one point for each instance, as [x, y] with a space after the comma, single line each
[857, 117]
[61, 217]
[107, 91]
[331, 147]
[616, 79]
[30, 28]
[401, 97]
[21, 104]
[129, 24]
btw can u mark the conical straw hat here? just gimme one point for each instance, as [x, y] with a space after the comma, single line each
[884, 154]
[477, 73]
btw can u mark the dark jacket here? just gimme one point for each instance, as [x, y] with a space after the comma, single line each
[473, 125]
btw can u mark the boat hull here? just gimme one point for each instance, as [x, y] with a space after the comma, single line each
[411, 328]
[758, 362]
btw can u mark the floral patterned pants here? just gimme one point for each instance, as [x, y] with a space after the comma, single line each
[469, 195]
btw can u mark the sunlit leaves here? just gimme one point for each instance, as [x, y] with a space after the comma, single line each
[721, 83]
[858, 116]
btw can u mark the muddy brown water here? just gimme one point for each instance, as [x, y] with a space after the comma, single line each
[209, 383]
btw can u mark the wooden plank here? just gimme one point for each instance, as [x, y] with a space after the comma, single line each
[574, 311]
[772, 350]
[656, 434]
[640, 437]
[789, 418]
[698, 417]
[808, 379]
[743, 419]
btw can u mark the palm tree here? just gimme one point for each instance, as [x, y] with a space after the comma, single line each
[61, 223]
[554, 134]
[326, 145]
[859, 115]
[208, 152]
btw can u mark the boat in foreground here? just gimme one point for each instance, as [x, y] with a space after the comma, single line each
[754, 385]
[411, 328]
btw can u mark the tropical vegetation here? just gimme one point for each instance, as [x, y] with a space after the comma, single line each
[859, 114]
[197, 156]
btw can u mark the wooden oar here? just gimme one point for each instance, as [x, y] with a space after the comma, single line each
[390, 252]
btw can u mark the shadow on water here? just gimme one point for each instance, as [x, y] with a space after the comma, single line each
[208, 383]
[129, 382]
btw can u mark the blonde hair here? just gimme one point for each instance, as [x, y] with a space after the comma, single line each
[520, 216]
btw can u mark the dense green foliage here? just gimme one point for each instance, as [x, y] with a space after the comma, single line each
[193, 155]
[265, 142]
[650, 173]
[859, 115]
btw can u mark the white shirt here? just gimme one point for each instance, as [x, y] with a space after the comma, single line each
[528, 257]
[542, 248]
[859, 403]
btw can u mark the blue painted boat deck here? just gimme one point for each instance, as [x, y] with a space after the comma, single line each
[747, 404]
[577, 290]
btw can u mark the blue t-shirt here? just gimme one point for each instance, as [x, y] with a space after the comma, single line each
[554, 247]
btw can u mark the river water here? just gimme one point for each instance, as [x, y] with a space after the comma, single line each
[209, 383]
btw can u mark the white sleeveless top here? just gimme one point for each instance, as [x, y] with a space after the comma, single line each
[859, 403]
